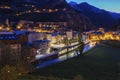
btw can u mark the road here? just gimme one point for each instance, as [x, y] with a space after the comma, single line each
[64, 57]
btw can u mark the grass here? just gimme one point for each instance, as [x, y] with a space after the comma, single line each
[100, 63]
[31, 77]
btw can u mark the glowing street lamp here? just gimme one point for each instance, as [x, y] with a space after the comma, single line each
[0, 27]
[8, 28]
[44, 9]
[56, 9]
[18, 27]
[8, 71]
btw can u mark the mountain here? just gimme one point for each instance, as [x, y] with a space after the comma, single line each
[64, 12]
[99, 17]
[115, 15]
[116, 27]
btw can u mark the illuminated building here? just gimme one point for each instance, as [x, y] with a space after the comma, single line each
[101, 35]
[41, 46]
[69, 34]
[5, 7]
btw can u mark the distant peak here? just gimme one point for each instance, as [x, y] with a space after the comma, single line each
[84, 3]
[72, 3]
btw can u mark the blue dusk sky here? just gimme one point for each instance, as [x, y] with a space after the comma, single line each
[109, 5]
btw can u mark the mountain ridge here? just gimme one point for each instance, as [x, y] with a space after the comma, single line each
[99, 17]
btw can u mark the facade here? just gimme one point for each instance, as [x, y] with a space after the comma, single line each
[52, 24]
[75, 35]
[41, 46]
[32, 36]
[69, 34]
[11, 41]
[55, 38]
[102, 35]
[28, 53]
[16, 42]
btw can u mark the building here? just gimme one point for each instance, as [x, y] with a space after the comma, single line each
[100, 35]
[69, 34]
[41, 46]
[25, 24]
[17, 43]
[33, 36]
[12, 42]
[55, 38]
[53, 25]
[75, 34]
[28, 53]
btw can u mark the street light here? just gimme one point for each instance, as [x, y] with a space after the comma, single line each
[8, 71]
[0, 27]
[8, 28]
[18, 27]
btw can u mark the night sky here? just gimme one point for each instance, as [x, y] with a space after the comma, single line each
[110, 5]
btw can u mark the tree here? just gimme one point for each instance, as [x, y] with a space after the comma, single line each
[58, 39]
[81, 43]
[81, 48]
[8, 73]
[79, 37]
[65, 41]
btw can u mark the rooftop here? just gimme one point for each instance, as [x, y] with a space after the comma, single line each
[8, 37]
